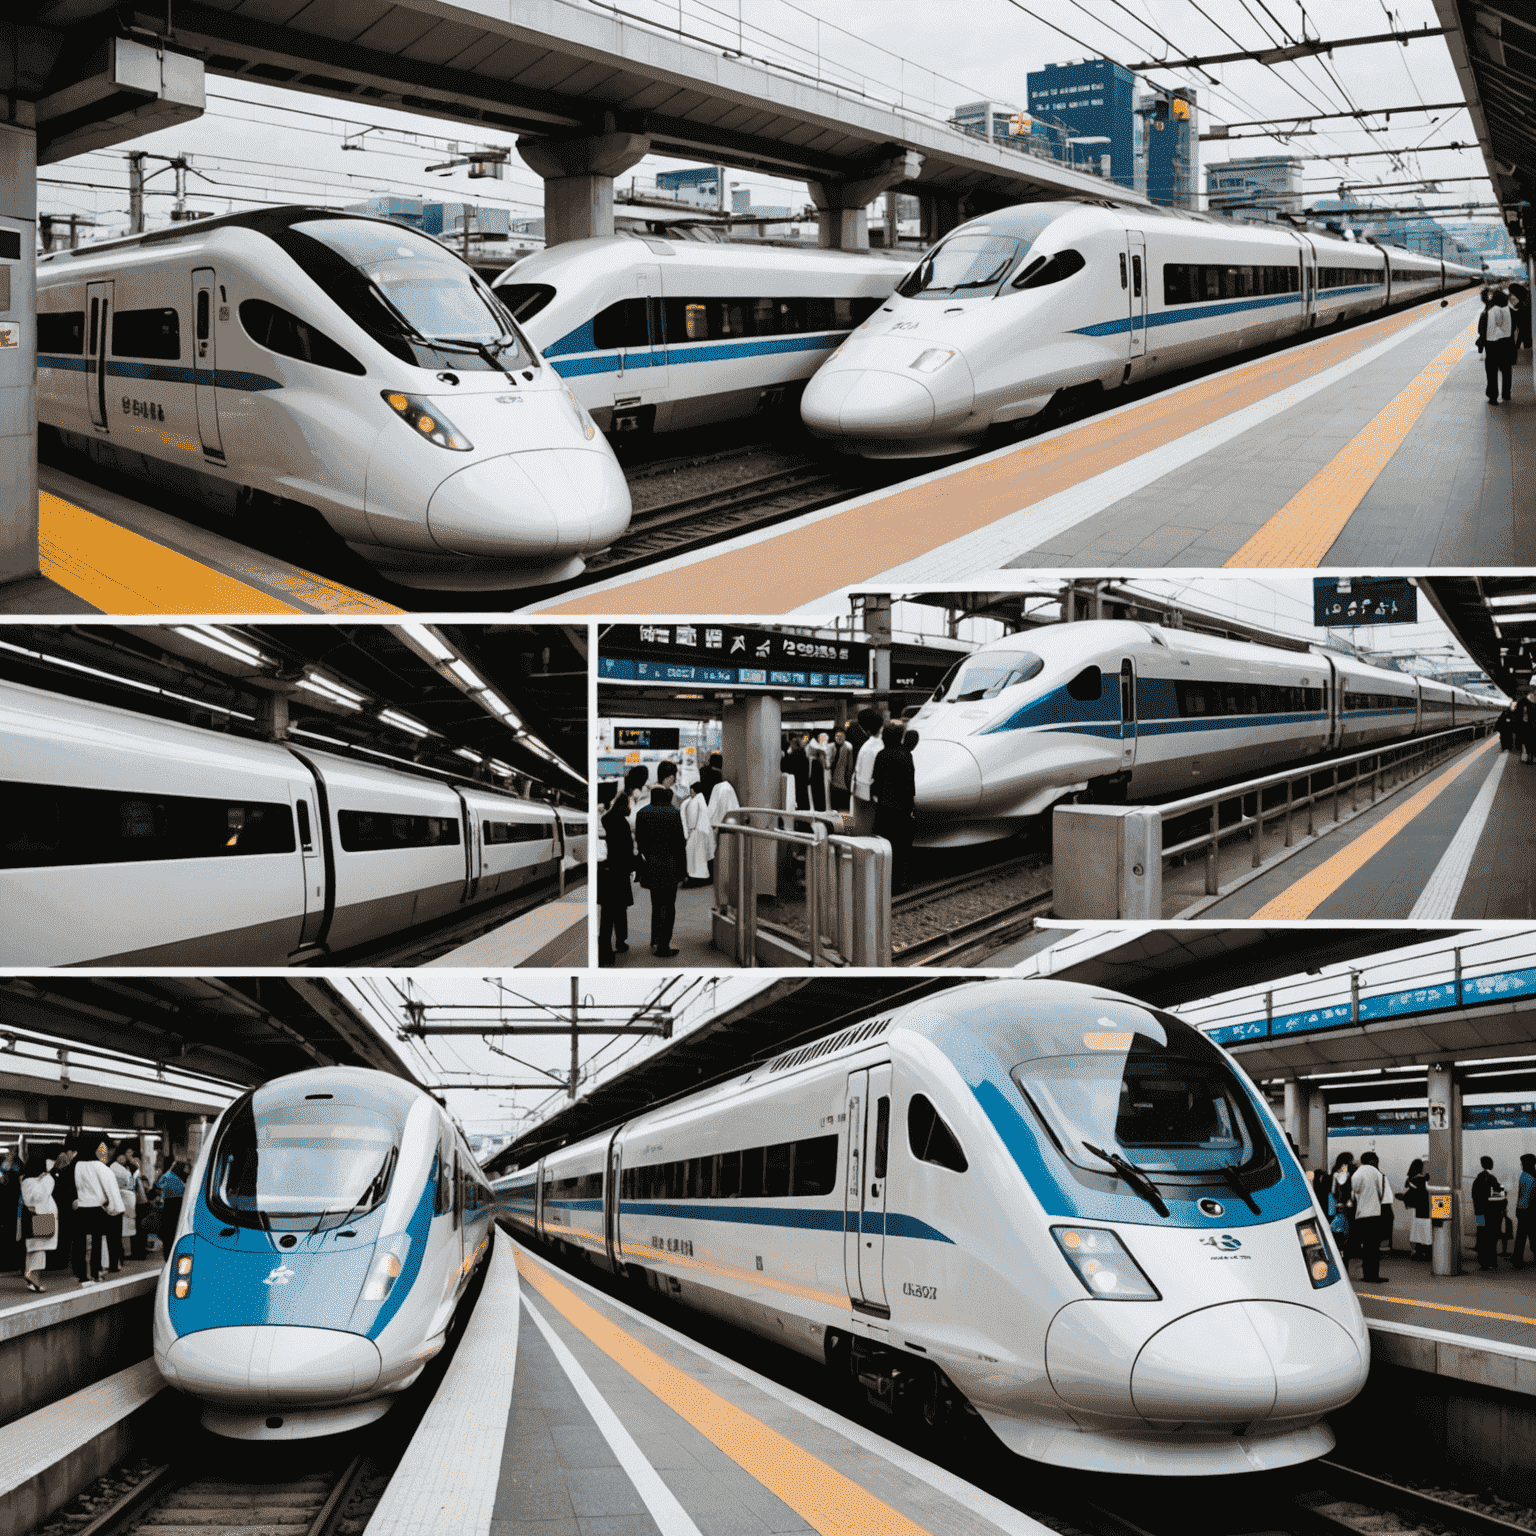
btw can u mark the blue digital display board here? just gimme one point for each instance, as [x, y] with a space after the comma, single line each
[729, 656]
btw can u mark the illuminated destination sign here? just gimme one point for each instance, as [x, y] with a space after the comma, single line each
[1341, 601]
[654, 738]
[729, 657]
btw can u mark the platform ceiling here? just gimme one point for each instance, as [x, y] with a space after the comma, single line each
[1499, 636]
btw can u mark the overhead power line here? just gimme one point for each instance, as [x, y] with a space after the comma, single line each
[1261, 122]
[1271, 56]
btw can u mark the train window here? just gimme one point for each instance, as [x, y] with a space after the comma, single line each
[1377, 700]
[1349, 277]
[62, 332]
[1197, 698]
[288, 336]
[50, 826]
[517, 831]
[374, 831]
[752, 1173]
[930, 1139]
[985, 675]
[524, 300]
[776, 1160]
[1197, 283]
[1122, 269]
[95, 310]
[146, 333]
[1087, 687]
[816, 1165]
[202, 314]
[963, 265]
[882, 1135]
[1136, 276]
[621, 325]
[695, 322]
[1042, 271]
[306, 840]
[728, 1180]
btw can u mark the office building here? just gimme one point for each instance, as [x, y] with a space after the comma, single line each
[699, 185]
[1170, 136]
[1085, 110]
[1257, 189]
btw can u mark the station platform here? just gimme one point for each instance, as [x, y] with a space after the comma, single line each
[1495, 1307]
[1369, 446]
[692, 934]
[566, 1413]
[1459, 843]
[103, 552]
[552, 934]
[57, 1283]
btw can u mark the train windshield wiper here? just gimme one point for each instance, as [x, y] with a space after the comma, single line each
[1133, 1176]
[1238, 1185]
[482, 347]
[376, 1186]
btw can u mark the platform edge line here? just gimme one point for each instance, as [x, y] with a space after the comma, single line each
[1443, 889]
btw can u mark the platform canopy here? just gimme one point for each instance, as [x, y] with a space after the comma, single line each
[1494, 618]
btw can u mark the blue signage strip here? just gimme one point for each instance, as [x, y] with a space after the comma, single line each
[1414, 1120]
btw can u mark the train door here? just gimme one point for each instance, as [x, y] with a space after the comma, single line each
[1308, 285]
[642, 356]
[97, 329]
[869, 1138]
[611, 1238]
[205, 362]
[314, 872]
[477, 877]
[1127, 714]
[1136, 249]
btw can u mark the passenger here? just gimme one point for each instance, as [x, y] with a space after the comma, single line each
[10, 1212]
[615, 896]
[1372, 1196]
[798, 766]
[1489, 1203]
[40, 1223]
[871, 723]
[1495, 340]
[97, 1202]
[1416, 1198]
[1505, 726]
[1520, 312]
[172, 1187]
[662, 851]
[1525, 1210]
[64, 1198]
[635, 782]
[893, 786]
[701, 839]
[1525, 726]
[142, 1206]
[842, 769]
[722, 801]
[709, 776]
[118, 1230]
[819, 751]
[1341, 1204]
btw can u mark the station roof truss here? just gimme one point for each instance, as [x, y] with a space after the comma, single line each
[600, 73]
[787, 1011]
[1493, 46]
[1494, 618]
[178, 672]
[240, 1031]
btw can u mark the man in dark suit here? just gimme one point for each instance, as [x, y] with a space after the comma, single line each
[614, 897]
[663, 848]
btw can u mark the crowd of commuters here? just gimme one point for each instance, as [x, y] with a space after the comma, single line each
[1503, 327]
[74, 1207]
[1516, 726]
[1359, 1201]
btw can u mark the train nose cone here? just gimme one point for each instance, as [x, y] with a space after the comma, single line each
[273, 1364]
[1246, 1360]
[948, 777]
[536, 503]
[867, 402]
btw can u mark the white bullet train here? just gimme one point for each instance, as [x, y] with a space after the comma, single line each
[135, 841]
[331, 1226]
[349, 365]
[1046, 1202]
[656, 335]
[1019, 308]
[1123, 709]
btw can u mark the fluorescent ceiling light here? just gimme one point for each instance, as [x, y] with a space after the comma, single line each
[464, 752]
[429, 642]
[499, 706]
[403, 722]
[467, 673]
[1513, 600]
[217, 640]
[318, 683]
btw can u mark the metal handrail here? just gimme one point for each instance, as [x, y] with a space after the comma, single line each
[1210, 839]
[746, 902]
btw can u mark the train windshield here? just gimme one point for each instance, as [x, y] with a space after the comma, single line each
[973, 261]
[1131, 1084]
[311, 1165]
[986, 674]
[435, 301]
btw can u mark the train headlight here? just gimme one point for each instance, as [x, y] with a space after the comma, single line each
[931, 360]
[583, 420]
[425, 418]
[388, 1263]
[183, 1276]
[1104, 1264]
[1316, 1253]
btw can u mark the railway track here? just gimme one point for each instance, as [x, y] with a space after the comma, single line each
[971, 941]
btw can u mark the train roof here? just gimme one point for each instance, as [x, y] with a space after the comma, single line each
[607, 251]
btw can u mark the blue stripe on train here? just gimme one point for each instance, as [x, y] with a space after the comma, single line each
[1208, 311]
[698, 352]
[164, 373]
[894, 1223]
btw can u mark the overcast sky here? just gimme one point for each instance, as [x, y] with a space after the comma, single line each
[261, 144]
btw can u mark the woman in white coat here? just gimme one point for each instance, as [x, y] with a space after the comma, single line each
[700, 833]
[37, 1197]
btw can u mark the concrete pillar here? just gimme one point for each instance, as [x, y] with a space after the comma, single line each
[939, 214]
[18, 350]
[578, 180]
[1444, 1166]
[842, 202]
[750, 741]
[1298, 1120]
[1317, 1128]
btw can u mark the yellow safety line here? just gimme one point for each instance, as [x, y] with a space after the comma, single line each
[1305, 528]
[1312, 890]
[120, 571]
[1445, 1306]
[823, 1497]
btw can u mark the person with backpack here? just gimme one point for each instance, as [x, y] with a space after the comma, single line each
[1416, 1198]
[1489, 1204]
[1373, 1203]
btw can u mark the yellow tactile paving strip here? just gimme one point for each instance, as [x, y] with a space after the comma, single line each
[1304, 529]
[119, 571]
[1445, 1306]
[822, 1496]
[1312, 890]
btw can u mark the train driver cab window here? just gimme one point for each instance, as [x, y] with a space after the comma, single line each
[524, 300]
[986, 674]
[286, 334]
[1043, 271]
[929, 1138]
[1087, 687]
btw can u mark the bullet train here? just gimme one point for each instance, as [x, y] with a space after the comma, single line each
[1041, 1202]
[348, 365]
[135, 841]
[331, 1226]
[656, 335]
[1127, 710]
[1036, 303]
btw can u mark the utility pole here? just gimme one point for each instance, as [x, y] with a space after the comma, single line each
[575, 1037]
[179, 165]
[136, 191]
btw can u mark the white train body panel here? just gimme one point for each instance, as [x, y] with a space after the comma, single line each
[679, 357]
[196, 402]
[1111, 296]
[143, 841]
[946, 1259]
[1028, 719]
[291, 1323]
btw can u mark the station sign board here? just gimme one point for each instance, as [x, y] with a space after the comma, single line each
[1340, 602]
[918, 676]
[729, 658]
[653, 738]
